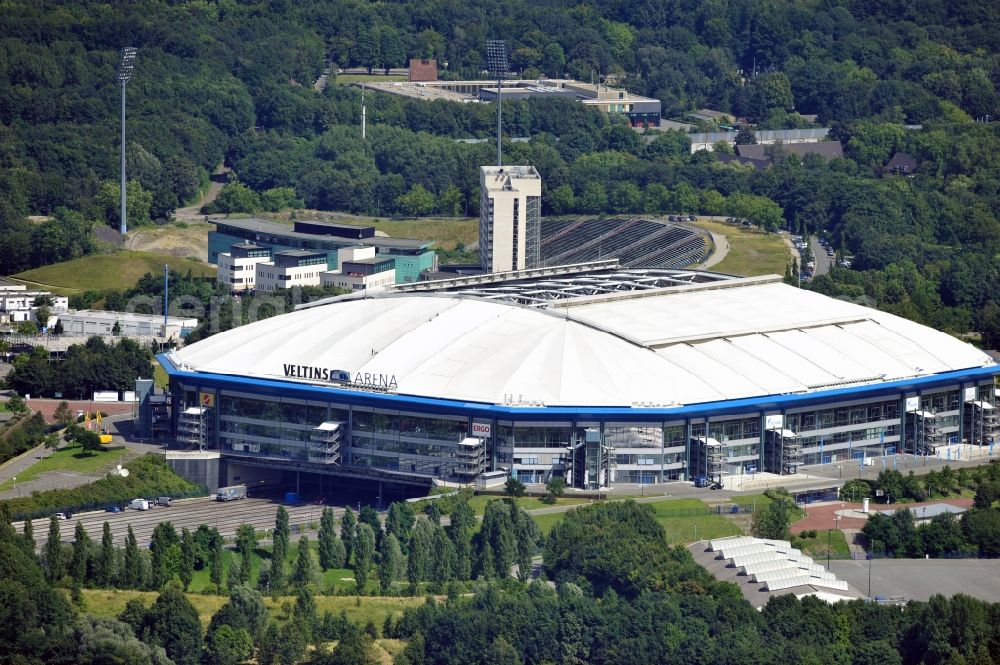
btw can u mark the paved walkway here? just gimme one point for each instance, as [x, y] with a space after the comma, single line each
[721, 250]
[823, 516]
[68, 479]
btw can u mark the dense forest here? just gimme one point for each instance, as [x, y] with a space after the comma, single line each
[233, 81]
[619, 594]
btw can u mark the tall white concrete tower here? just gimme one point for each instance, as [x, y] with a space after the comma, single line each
[510, 217]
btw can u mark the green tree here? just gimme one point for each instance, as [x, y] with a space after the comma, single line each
[772, 521]
[496, 542]
[369, 516]
[215, 558]
[354, 648]
[108, 203]
[133, 573]
[872, 144]
[236, 197]
[442, 567]
[304, 614]
[246, 541]
[331, 550]
[228, 646]
[244, 610]
[81, 555]
[593, 199]
[514, 487]
[390, 562]
[555, 487]
[460, 530]
[28, 538]
[53, 560]
[450, 202]
[501, 652]
[416, 202]
[348, 525]
[400, 521]
[363, 555]
[305, 572]
[17, 405]
[418, 560]
[277, 199]
[282, 529]
[62, 415]
[186, 568]
[172, 622]
[165, 555]
[279, 550]
[106, 564]
[745, 136]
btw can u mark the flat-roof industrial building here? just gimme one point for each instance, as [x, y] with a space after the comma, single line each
[604, 375]
[411, 257]
[638, 110]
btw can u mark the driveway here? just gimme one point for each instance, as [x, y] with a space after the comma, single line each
[823, 262]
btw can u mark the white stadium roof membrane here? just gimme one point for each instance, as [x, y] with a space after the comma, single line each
[668, 346]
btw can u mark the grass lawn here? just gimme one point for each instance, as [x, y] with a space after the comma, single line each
[118, 270]
[757, 500]
[817, 547]
[446, 232]
[72, 458]
[680, 529]
[684, 529]
[110, 603]
[751, 252]
[478, 503]
[160, 377]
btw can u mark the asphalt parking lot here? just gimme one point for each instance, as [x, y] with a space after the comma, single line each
[919, 579]
[190, 513]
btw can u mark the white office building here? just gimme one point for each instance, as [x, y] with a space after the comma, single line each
[238, 266]
[294, 267]
[370, 274]
[510, 216]
[17, 304]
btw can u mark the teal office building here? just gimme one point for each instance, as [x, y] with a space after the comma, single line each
[411, 256]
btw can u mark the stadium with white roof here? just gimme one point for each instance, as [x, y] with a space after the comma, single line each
[601, 374]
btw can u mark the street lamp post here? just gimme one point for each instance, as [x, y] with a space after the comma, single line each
[125, 67]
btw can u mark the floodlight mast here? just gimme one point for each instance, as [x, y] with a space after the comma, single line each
[125, 67]
[496, 62]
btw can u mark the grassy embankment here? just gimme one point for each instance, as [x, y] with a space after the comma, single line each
[751, 252]
[117, 270]
[73, 458]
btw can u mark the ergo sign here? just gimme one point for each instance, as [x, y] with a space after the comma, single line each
[481, 429]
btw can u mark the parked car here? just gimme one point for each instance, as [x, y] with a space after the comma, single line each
[164, 501]
[701, 481]
[64, 516]
[717, 485]
[113, 509]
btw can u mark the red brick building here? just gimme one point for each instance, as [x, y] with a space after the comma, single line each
[423, 69]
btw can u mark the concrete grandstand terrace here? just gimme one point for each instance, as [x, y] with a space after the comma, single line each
[755, 592]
